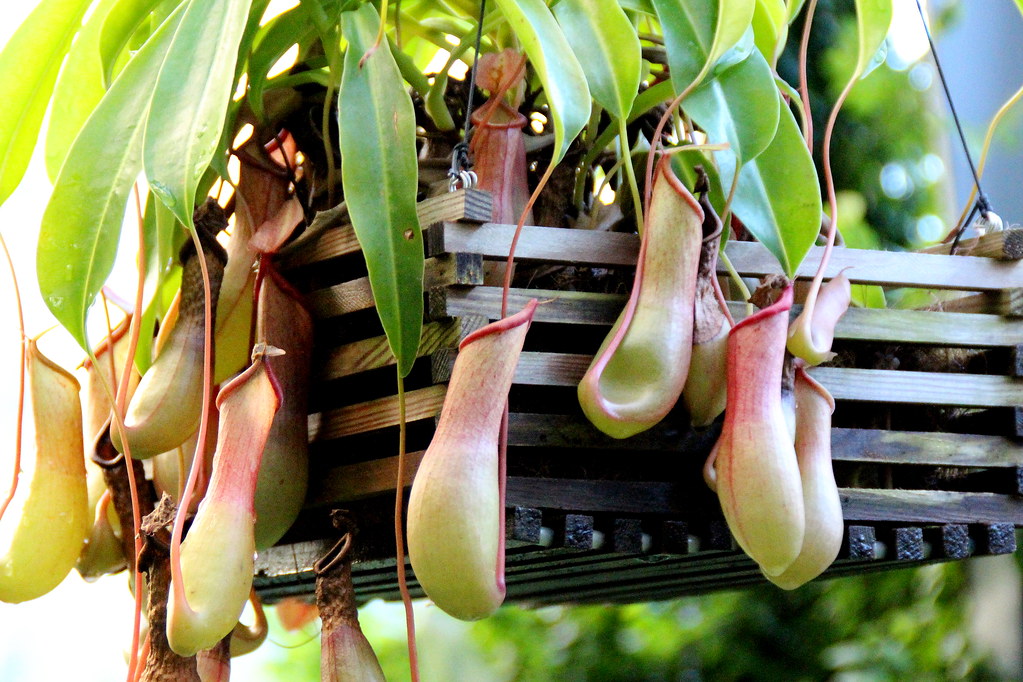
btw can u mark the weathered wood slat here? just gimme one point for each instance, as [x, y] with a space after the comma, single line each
[374, 353]
[1005, 245]
[352, 482]
[349, 297]
[844, 383]
[627, 497]
[465, 205]
[1003, 302]
[895, 326]
[884, 268]
[423, 403]
[360, 480]
[921, 388]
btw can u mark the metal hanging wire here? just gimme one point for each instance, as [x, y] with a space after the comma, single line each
[982, 205]
[461, 175]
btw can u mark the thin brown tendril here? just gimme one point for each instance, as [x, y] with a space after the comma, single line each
[399, 536]
[19, 419]
[804, 88]
[118, 398]
[200, 444]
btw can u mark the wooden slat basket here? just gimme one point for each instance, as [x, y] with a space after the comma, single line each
[925, 441]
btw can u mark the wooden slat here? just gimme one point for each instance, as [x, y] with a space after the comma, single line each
[930, 506]
[567, 307]
[844, 383]
[364, 479]
[1005, 245]
[374, 353]
[1005, 302]
[361, 480]
[915, 447]
[895, 326]
[423, 403]
[348, 297]
[544, 244]
[467, 205]
[627, 497]
[921, 388]
[884, 268]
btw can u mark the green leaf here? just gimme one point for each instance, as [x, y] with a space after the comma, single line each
[738, 107]
[119, 25]
[190, 101]
[771, 28]
[269, 45]
[379, 173]
[873, 17]
[563, 80]
[778, 196]
[82, 222]
[79, 89]
[28, 70]
[608, 50]
[697, 34]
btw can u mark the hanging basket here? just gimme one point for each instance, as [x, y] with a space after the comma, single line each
[925, 447]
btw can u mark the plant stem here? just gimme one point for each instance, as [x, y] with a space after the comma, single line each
[630, 172]
[177, 579]
[399, 535]
[804, 88]
[19, 419]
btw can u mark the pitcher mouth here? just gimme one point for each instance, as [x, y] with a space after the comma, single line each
[498, 116]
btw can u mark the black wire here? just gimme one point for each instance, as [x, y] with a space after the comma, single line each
[982, 201]
[460, 153]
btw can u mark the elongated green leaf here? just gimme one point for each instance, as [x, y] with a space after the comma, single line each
[771, 28]
[1019, 3]
[119, 25]
[190, 101]
[556, 65]
[739, 107]
[608, 50]
[698, 32]
[379, 172]
[873, 17]
[81, 224]
[778, 196]
[79, 89]
[28, 70]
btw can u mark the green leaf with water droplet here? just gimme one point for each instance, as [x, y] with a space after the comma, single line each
[873, 17]
[190, 101]
[555, 63]
[29, 65]
[379, 172]
[82, 222]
